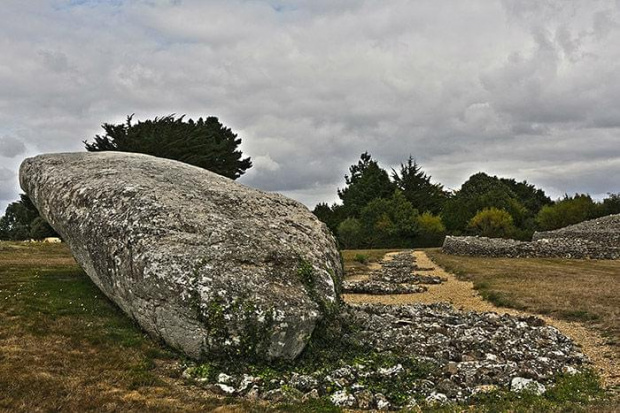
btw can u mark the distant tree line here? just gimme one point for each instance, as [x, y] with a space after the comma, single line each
[405, 208]
[400, 208]
[22, 221]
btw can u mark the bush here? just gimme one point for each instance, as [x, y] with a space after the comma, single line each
[493, 223]
[40, 229]
[567, 211]
[389, 223]
[350, 233]
[431, 230]
[361, 258]
[610, 205]
[431, 224]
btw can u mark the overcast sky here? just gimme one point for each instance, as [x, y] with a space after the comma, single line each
[528, 89]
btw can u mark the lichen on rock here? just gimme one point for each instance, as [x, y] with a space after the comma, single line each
[206, 264]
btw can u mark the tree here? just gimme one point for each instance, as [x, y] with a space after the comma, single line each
[205, 143]
[350, 233]
[40, 229]
[482, 191]
[567, 211]
[331, 216]
[19, 218]
[418, 188]
[492, 222]
[366, 182]
[4, 229]
[610, 205]
[389, 222]
[431, 230]
[532, 198]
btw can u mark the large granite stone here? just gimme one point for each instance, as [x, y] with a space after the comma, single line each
[210, 266]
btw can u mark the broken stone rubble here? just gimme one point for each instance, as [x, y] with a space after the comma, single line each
[396, 276]
[470, 353]
[380, 287]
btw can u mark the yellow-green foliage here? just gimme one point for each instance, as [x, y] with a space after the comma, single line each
[566, 212]
[492, 222]
[349, 232]
[430, 224]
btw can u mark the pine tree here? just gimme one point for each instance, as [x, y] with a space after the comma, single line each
[418, 188]
[205, 143]
[19, 218]
[367, 181]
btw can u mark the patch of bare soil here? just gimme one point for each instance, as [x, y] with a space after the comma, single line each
[373, 266]
[461, 295]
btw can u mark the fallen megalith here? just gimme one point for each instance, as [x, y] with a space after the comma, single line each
[208, 265]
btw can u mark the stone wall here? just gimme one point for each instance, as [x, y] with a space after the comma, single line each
[595, 239]
[603, 231]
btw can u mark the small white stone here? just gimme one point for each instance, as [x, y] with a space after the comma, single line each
[342, 399]
[224, 378]
[383, 405]
[437, 398]
[518, 384]
[226, 389]
[187, 373]
[484, 388]
[411, 403]
[245, 382]
[391, 371]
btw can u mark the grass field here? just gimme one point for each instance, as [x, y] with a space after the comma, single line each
[66, 347]
[357, 261]
[369, 256]
[573, 290]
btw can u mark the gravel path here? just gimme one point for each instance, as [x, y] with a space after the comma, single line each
[461, 295]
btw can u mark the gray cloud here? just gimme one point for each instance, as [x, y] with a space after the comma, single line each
[11, 147]
[7, 187]
[526, 89]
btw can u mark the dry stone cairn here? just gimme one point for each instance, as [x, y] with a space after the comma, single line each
[595, 239]
[205, 264]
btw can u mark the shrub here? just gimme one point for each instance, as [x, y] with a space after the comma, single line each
[40, 229]
[389, 223]
[431, 224]
[492, 222]
[350, 233]
[431, 230]
[567, 211]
